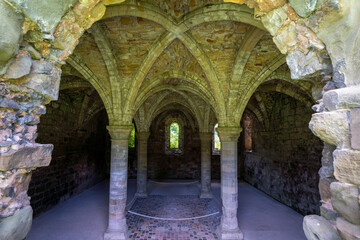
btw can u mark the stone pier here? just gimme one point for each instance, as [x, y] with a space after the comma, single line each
[229, 226]
[117, 228]
[142, 138]
[205, 165]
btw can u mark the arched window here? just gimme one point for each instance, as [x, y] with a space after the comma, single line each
[174, 135]
[132, 137]
[216, 142]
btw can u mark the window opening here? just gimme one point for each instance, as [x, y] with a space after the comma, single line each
[216, 141]
[132, 137]
[174, 135]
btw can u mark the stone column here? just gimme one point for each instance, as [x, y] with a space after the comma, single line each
[205, 165]
[142, 139]
[117, 228]
[229, 226]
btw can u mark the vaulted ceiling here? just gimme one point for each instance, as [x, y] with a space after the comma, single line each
[208, 56]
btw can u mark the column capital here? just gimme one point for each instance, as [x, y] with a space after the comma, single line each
[119, 132]
[229, 134]
[142, 136]
[205, 136]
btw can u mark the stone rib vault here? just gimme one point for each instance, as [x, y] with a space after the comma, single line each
[196, 62]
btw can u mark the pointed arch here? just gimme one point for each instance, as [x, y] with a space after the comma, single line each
[82, 68]
[105, 48]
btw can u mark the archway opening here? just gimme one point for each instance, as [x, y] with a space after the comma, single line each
[279, 154]
[76, 125]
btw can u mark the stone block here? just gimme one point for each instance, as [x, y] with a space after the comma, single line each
[275, 19]
[10, 28]
[347, 166]
[307, 64]
[326, 172]
[332, 127]
[44, 79]
[305, 7]
[287, 38]
[20, 66]
[342, 98]
[38, 155]
[345, 200]
[17, 226]
[318, 228]
[328, 212]
[347, 231]
[327, 159]
[355, 128]
[324, 188]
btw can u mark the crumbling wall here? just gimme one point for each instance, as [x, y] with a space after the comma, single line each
[79, 156]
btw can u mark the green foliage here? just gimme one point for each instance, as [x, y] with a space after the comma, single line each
[217, 143]
[174, 135]
[132, 137]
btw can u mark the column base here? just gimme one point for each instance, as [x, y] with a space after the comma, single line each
[206, 195]
[116, 235]
[235, 234]
[141, 195]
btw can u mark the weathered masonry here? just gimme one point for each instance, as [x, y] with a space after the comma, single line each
[267, 72]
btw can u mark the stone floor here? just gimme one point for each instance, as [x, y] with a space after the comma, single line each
[174, 207]
[84, 217]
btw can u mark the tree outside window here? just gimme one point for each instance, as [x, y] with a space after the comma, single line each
[132, 137]
[216, 141]
[174, 135]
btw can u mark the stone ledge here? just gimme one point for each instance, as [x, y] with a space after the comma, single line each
[37, 155]
[332, 127]
[342, 98]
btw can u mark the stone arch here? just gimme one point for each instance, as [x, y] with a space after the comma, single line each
[81, 67]
[219, 12]
[188, 77]
[106, 51]
[262, 74]
[165, 99]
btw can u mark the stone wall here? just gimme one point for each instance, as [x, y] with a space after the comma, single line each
[163, 165]
[286, 157]
[215, 167]
[79, 156]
